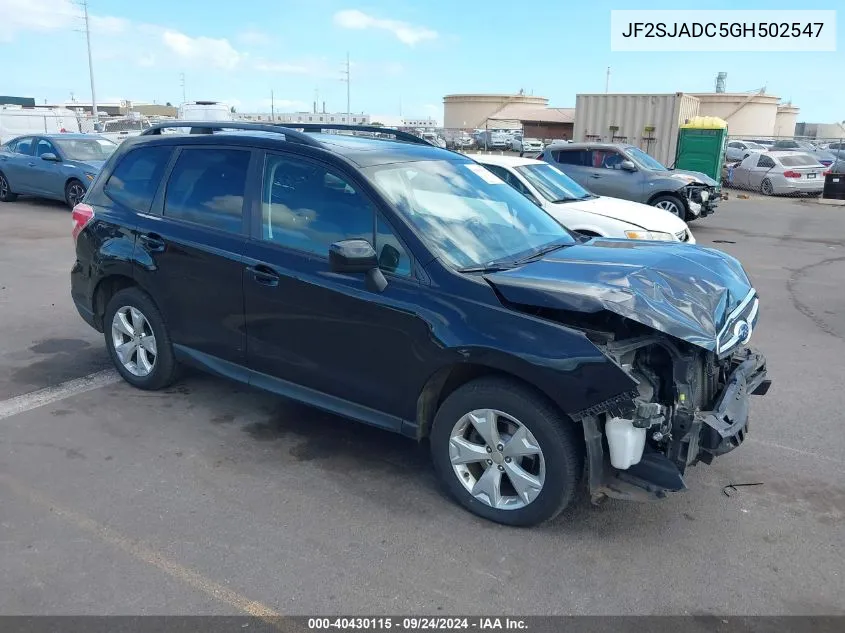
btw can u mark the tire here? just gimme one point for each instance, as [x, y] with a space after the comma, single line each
[560, 452]
[6, 194]
[74, 190]
[163, 367]
[766, 187]
[672, 204]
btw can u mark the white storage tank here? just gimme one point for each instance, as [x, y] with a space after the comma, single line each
[649, 121]
[747, 113]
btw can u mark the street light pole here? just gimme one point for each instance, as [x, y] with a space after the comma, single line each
[90, 62]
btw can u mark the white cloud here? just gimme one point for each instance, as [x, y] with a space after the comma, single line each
[217, 53]
[146, 61]
[409, 34]
[35, 15]
[254, 37]
[108, 24]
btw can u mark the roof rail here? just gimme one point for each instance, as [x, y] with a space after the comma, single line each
[209, 127]
[399, 134]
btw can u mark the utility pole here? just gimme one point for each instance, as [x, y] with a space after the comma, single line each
[182, 83]
[607, 81]
[272, 108]
[347, 78]
[84, 4]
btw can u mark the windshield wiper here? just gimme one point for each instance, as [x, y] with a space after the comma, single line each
[490, 268]
[587, 197]
[550, 248]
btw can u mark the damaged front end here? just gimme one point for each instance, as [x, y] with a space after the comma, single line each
[691, 406]
[701, 199]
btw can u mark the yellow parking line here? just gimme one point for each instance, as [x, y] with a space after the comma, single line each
[142, 553]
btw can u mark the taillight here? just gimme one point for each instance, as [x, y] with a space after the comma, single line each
[82, 215]
[791, 174]
[826, 172]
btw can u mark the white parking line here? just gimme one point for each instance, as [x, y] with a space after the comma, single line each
[48, 395]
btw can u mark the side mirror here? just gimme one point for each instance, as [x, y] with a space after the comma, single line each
[352, 256]
[50, 156]
[627, 165]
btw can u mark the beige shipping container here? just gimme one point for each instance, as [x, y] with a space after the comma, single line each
[648, 121]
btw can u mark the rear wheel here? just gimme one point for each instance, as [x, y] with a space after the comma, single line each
[138, 341]
[505, 453]
[74, 191]
[766, 187]
[6, 194]
[672, 204]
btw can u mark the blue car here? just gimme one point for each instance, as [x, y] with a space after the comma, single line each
[55, 166]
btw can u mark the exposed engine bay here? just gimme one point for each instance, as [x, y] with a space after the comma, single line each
[702, 199]
[690, 405]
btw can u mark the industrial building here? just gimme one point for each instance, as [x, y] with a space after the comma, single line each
[508, 111]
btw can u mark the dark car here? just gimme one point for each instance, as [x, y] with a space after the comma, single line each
[627, 172]
[54, 166]
[406, 286]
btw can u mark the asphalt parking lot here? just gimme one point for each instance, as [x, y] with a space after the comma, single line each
[210, 498]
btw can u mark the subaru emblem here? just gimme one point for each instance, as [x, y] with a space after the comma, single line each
[742, 330]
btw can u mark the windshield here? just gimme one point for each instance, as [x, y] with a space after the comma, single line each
[644, 160]
[552, 183]
[750, 145]
[86, 149]
[467, 215]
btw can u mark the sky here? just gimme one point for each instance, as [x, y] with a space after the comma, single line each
[405, 54]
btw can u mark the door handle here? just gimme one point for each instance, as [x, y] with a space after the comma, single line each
[152, 242]
[32, 164]
[264, 275]
[595, 175]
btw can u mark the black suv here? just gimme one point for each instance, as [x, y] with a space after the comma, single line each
[405, 286]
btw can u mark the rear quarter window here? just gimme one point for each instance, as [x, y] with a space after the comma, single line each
[137, 176]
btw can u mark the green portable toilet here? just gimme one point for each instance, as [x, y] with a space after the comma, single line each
[701, 146]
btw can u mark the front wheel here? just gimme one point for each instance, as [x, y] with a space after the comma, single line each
[672, 204]
[74, 191]
[505, 453]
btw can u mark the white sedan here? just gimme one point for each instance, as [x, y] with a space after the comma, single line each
[579, 210]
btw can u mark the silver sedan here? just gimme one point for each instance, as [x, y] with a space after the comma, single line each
[773, 173]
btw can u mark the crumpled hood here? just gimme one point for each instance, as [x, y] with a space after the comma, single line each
[699, 176]
[683, 290]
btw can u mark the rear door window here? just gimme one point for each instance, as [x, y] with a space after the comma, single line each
[573, 157]
[136, 178]
[24, 146]
[207, 187]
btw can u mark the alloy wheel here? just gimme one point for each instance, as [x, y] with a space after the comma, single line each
[134, 341]
[75, 193]
[497, 459]
[766, 187]
[4, 187]
[671, 207]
